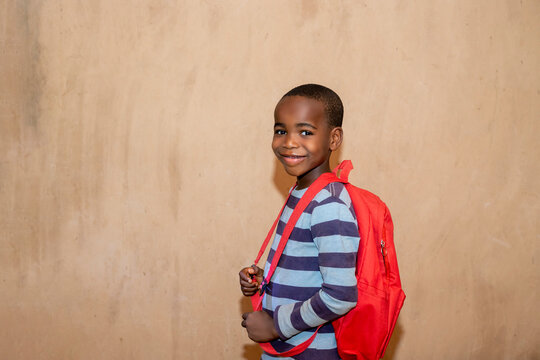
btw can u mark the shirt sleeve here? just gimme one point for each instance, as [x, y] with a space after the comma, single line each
[335, 233]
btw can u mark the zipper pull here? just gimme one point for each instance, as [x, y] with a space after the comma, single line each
[384, 253]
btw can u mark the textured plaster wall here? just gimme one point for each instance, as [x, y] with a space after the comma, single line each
[136, 175]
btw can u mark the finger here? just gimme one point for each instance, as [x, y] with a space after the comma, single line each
[245, 276]
[244, 323]
[246, 284]
[248, 288]
[258, 270]
[249, 292]
[245, 315]
[244, 272]
[254, 269]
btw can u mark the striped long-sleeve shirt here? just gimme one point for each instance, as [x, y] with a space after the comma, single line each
[314, 282]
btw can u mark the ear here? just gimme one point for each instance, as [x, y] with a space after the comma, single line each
[336, 137]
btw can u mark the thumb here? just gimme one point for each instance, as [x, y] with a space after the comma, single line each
[254, 269]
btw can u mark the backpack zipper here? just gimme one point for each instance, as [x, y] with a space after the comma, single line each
[384, 253]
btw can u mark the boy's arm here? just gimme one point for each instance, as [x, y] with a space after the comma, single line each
[335, 233]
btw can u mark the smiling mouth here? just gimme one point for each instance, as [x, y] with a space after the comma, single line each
[292, 159]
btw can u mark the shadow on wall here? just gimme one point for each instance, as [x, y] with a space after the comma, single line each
[394, 342]
[251, 351]
[282, 180]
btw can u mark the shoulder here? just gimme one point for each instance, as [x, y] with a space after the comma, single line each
[333, 192]
[332, 197]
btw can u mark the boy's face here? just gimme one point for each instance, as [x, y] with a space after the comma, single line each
[303, 139]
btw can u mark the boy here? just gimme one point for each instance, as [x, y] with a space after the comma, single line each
[314, 282]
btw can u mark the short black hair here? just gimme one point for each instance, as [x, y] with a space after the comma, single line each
[333, 107]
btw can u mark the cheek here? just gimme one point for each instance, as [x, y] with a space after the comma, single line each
[321, 146]
[275, 144]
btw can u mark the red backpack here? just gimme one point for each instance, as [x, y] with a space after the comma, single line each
[364, 332]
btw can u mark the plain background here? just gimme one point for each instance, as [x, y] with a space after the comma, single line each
[136, 176]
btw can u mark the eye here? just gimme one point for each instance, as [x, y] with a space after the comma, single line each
[306, 133]
[279, 132]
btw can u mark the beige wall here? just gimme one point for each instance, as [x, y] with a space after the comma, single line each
[136, 175]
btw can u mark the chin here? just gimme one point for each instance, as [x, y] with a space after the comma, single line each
[294, 172]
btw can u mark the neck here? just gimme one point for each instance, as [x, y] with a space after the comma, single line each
[308, 178]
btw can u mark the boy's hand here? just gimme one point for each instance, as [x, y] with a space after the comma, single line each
[259, 326]
[250, 279]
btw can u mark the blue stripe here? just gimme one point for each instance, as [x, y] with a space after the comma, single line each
[296, 319]
[301, 223]
[338, 276]
[327, 201]
[331, 200]
[308, 354]
[293, 200]
[299, 278]
[298, 234]
[331, 211]
[280, 227]
[337, 260]
[321, 309]
[301, 248]
[327, 328]
[336, 189]
[334, 227]
[291, 292]
[324, 341]
[302, 235]
[318, 354]
[304, 263]
[344, 293]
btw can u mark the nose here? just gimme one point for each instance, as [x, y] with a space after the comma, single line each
[290, 141]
